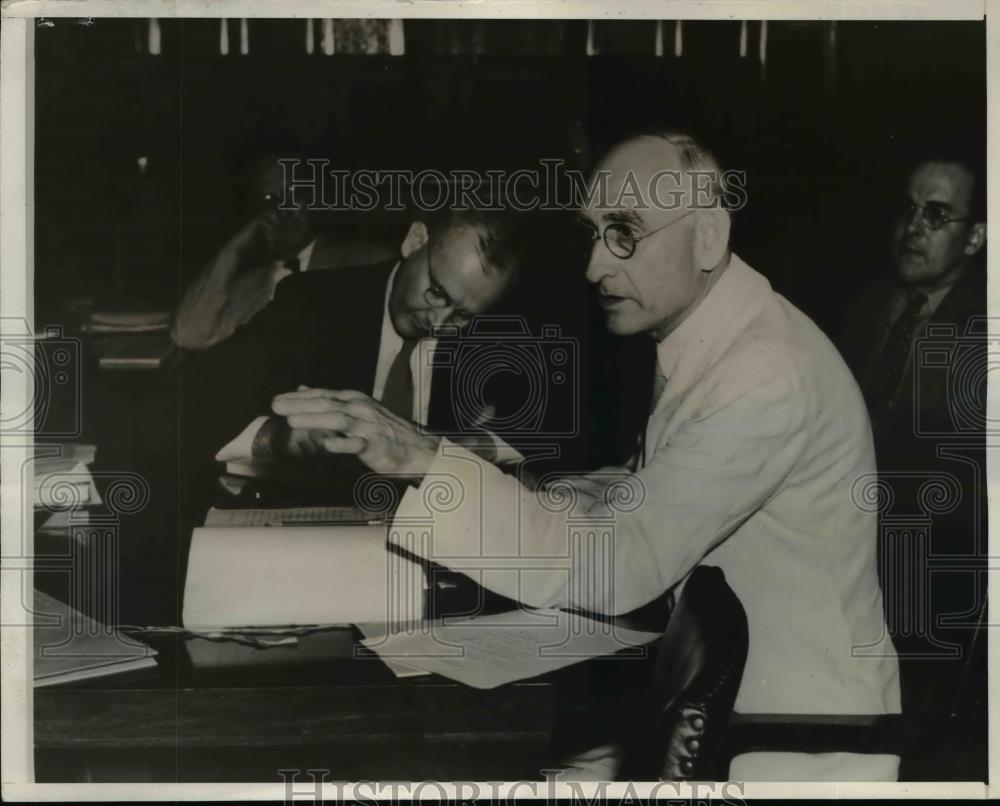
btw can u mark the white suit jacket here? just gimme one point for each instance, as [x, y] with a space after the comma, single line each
[758, 458]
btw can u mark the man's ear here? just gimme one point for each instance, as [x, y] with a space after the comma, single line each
[415, 238]
[711, 237]
[976, 239]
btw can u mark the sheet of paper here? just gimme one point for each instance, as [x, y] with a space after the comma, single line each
[378, 630]
[66, 489]
[267, 577]
[70, 646]
[402, 670]
[489, 651]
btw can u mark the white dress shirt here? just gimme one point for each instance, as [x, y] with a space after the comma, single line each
[753, 456]
[421, 360]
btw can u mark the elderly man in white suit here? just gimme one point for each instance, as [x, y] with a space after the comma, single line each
[753, 446]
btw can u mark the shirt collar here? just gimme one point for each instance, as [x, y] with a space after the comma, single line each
[935, 297]
[391, 342]
[306, 255]
[934, 300]
[736, 297]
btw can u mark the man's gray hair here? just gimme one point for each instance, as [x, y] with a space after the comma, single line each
[695, 156]
[500, 235]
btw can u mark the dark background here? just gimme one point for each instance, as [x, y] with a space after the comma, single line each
[820, 134]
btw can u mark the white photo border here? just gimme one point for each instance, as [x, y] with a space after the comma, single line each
[16, 304]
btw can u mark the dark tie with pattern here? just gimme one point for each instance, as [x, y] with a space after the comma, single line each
[659, 386]
[891, 364]
[397, 396]
[294, 264]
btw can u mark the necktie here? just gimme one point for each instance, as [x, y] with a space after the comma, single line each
[659, 385]
[891, 365]
[294, 264]
[397, 396]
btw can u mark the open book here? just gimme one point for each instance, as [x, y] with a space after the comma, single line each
[296, 576]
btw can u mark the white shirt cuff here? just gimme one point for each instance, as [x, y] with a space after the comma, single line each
[506, 454]
[413, 507]
[242, 446]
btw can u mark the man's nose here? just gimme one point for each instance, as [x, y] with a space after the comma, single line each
[601, 264]
[915, 220]
[438, 316]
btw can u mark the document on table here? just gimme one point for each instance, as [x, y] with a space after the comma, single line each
[298, 575]
[378, 630]
[67, 487]
[489, 651]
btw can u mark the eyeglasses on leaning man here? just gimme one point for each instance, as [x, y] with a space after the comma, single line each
[437, 297]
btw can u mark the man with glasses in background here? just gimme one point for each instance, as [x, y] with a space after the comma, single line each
[755, 436]
[938, 235]
[916, 340]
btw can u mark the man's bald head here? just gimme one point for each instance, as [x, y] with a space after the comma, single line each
[671, 170]
[655, 202]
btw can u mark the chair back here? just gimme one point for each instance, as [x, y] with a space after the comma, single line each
[676, 727]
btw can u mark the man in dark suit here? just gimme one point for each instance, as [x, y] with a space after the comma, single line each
[937, 280]
[367, 328]
[917, 343]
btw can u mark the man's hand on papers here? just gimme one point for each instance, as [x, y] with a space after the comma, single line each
[360, 425]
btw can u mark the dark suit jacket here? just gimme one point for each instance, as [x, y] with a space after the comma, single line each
[935, 432]
[936, 395]
[323, 329]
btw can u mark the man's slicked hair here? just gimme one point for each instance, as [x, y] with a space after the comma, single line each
[499, 231]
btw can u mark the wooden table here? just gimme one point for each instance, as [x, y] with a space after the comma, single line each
[408, 730]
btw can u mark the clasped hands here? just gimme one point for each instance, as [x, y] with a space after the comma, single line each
[349, 422]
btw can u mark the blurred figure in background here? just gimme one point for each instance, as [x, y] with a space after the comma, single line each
[275, 243]
[916, 340]
[937, 278]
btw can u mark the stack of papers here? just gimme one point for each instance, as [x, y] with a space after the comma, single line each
[239, 578]
[69, 646]
[126, 322]
[65, 489]
[489, 651]
[136, 351]
[130, 339]
[63, 485]
[243, 578]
